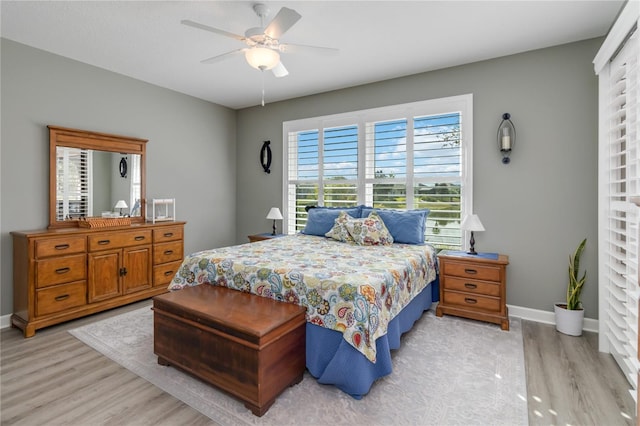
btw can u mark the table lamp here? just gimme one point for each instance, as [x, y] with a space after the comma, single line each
[120, 205]
[274, 214]
[472, 223]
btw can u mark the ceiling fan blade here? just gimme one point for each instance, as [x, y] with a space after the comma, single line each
[224, 56]
[279, 70]
[211, 29]
[301, 48]
[284, 20]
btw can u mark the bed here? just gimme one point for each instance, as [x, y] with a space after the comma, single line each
[360, 298]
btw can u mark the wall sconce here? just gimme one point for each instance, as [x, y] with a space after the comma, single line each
[506, 137]
[274, 214]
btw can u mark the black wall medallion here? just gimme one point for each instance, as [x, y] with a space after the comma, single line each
[265, 156]
[123, 167]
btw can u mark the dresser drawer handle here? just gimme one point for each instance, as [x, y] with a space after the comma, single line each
[166, 274]
[470, 285]
[470, 271]
[168, 234]
[470, 300]
[139, 238]
[62, 297]
[62, 246]
[62, 270]
[104, 242]
[168, 252]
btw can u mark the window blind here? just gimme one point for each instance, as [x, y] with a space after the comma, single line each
[73, 190]
[619, 197]
[412, 156]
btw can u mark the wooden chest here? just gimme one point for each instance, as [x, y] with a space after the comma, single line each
[249, 346]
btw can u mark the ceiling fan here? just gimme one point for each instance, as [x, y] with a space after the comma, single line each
[263, 45]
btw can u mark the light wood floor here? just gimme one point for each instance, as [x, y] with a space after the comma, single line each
[53, 378]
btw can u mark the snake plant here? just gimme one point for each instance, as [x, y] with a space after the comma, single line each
[575, 284]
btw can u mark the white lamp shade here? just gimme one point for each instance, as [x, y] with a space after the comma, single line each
[120, 205]
[472, 222]
[262, 58]
[274, 214]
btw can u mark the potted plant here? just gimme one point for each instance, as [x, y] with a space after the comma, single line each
[569, 315]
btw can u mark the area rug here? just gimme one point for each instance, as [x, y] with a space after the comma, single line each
[449, 371]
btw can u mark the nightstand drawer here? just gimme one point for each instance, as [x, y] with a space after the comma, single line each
[472, 301]
[471, 270]
[472, 286]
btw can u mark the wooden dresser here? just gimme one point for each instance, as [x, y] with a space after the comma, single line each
[474, 287]
[67, 273]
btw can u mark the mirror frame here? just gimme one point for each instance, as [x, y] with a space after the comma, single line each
[83, 139]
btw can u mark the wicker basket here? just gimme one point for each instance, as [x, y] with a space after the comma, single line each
[104, 222]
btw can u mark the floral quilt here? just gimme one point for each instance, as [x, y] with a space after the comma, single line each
[353, 289]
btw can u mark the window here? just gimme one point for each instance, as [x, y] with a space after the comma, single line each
[410, 156]
[136, 184]
[73, 195]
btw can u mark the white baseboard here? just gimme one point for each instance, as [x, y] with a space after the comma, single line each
[547, 317]
[536, 315]
[5, 321]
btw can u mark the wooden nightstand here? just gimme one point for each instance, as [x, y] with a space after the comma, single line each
[474, 287]
[262, 237]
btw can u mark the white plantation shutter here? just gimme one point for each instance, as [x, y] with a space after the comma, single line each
[617, 65]
[73, 194]
[411, 156]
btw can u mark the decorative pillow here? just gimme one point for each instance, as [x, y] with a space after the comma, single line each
[369, 231]
[406, 227]
[339, 231]
[320, 220]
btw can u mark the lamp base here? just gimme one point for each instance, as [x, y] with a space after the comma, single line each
[274, 227]
[472, 242]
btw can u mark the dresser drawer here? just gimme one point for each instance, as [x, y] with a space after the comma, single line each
[472, 286]
[118, 240]
[469, 270]
[167, 252]
[58, 298]
[60, 246]
[58, 270]
[168, 233]
[163, 274]
[472, 301]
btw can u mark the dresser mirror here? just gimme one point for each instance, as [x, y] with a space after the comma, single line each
[89, 173]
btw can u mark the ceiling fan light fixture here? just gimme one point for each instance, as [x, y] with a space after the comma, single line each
[262, 58]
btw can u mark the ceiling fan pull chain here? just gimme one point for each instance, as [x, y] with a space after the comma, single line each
[262, 73]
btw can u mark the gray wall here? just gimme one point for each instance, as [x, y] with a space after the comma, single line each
[536, 209]
[190, 153]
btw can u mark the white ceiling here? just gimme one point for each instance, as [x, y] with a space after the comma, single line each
[378, 40]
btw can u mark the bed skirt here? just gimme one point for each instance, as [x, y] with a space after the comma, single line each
[331, 360]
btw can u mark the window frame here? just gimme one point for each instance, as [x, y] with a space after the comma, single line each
[462, 104]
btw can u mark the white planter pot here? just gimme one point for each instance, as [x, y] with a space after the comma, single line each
[568, 321]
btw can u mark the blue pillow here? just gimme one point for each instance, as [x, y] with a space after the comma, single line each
[406, 227]
[320, 220]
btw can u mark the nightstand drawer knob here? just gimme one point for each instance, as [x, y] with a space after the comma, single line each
[470, 271]
[470, 285]
[470, 300]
